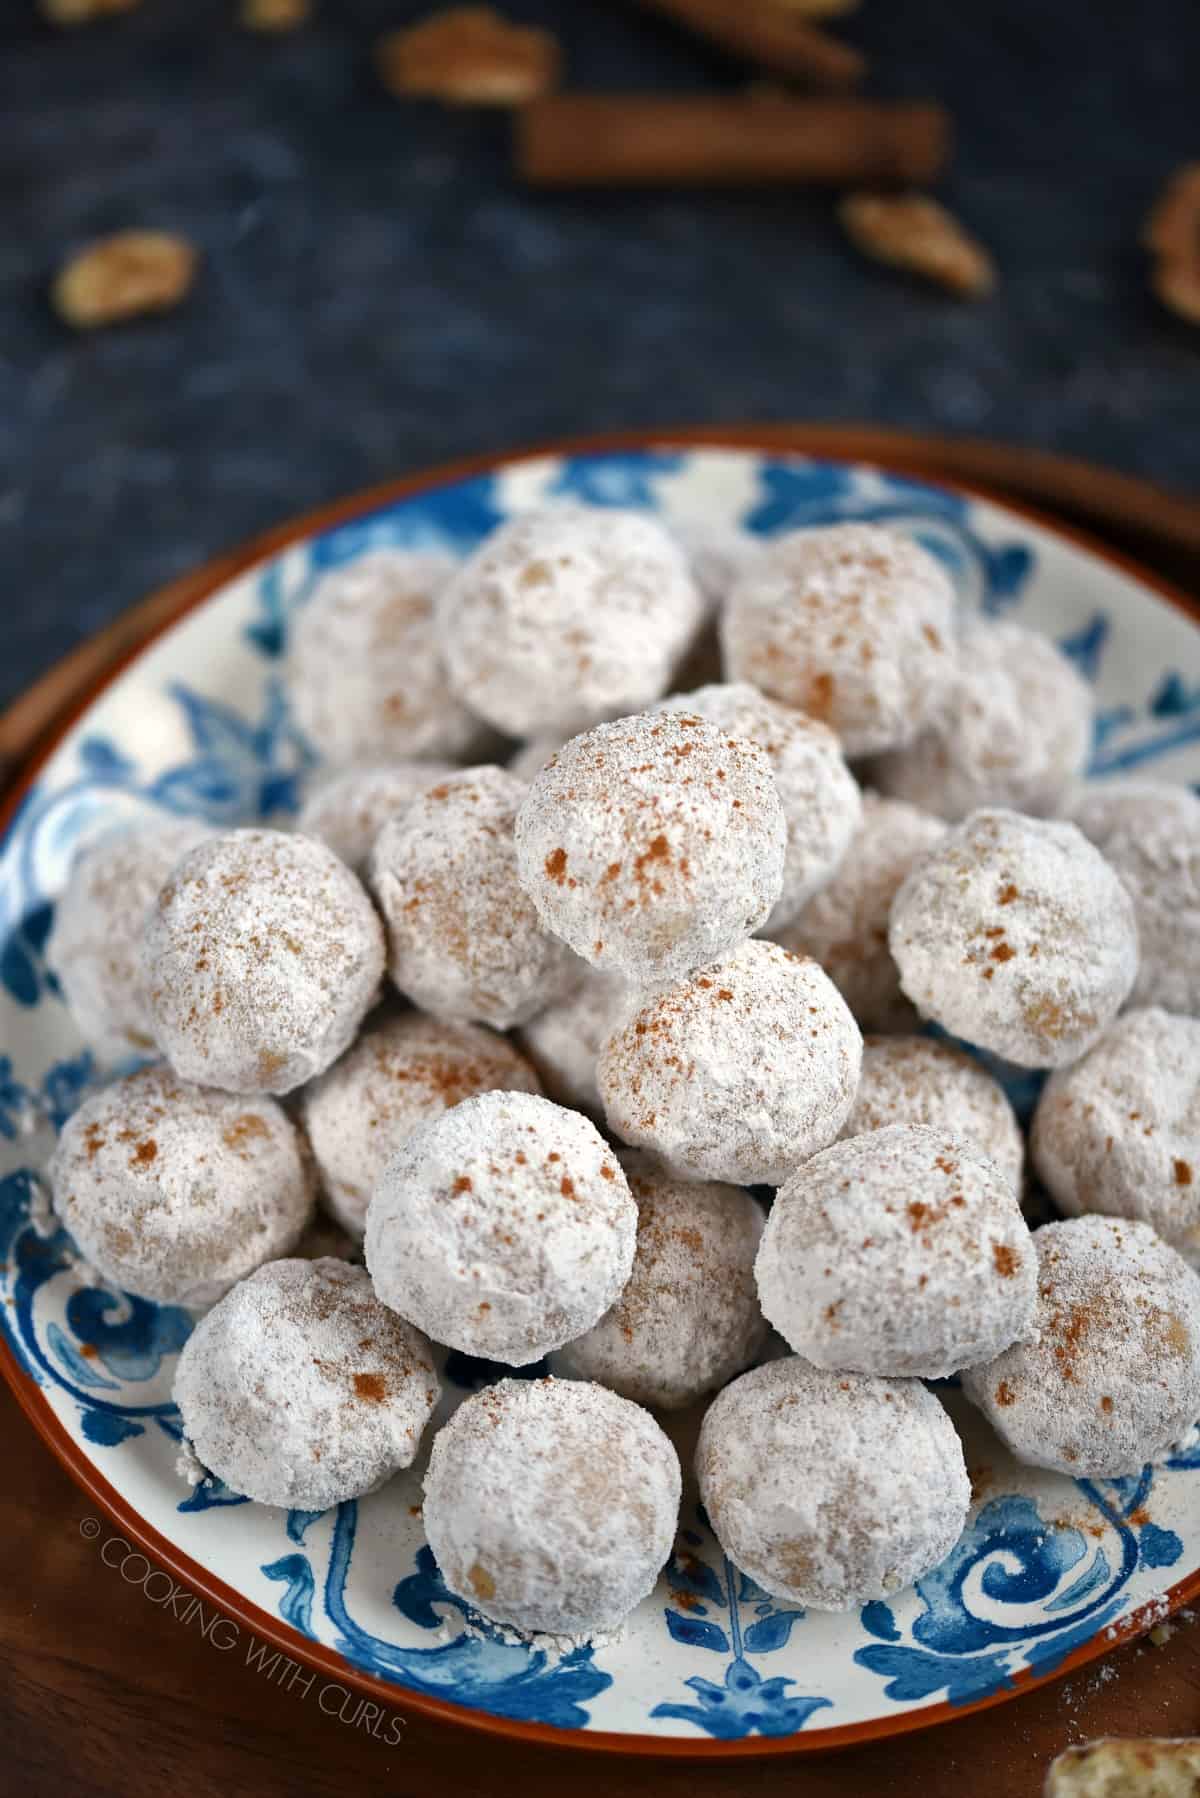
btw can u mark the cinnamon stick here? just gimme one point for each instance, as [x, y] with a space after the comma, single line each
[597, 140]
[769, 35]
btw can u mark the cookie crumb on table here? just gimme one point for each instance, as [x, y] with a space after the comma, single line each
[1127, 1767]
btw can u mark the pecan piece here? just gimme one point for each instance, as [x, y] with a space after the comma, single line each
[82, 12]
[815, 9]
[1172, 235]
[911, 231]
[469, 56]
[273, 15]
[121, 276]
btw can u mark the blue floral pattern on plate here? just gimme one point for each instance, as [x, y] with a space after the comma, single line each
[1046, 1566]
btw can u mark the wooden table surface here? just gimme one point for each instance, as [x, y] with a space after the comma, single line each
[104, 1693]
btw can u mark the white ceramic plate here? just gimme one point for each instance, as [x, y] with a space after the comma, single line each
[1050, 1570]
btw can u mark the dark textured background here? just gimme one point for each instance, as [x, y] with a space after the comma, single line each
[378, 294]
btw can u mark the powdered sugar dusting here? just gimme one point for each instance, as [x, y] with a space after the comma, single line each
[551, 1505]
[260, 955]
[187, 1467]
[738, 1072]
[503, 1228]
[175, 1191]
[831, 1489]
[301, 1389]
[653, 844]
[567, 615]
[1112, 1376]
[821, 803]
[902, 1251]
[1015, 934]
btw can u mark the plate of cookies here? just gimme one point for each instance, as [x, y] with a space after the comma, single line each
[600, 1099]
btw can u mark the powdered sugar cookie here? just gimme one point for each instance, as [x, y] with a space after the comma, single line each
[718, 555]
[301, 1390]
[831, 1489]
[364, 670]
[852, 624]
[551, 1505]
[95, 943]
[565, 616]
[565, 1040]
[1014, 933]
[900, 1252]
[401, 1071]
[464, 941]
[348, 808]
[260, 955]
[503, 1228]
[1111, 1376]
[1119, 1132]
[915, 1080]
[1150, 833]
[738, 1072]
[1013, 728]
[846, 926]
[174, 1191]
[653, 844]
[689, 1318]
[822, 806]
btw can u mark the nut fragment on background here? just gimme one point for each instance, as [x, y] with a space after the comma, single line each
[1172, 235]
[82, 12]
[122, 276]
[1136, 1767]
[274, 15]
[911, 231]
[469, 56]
[811, 9]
